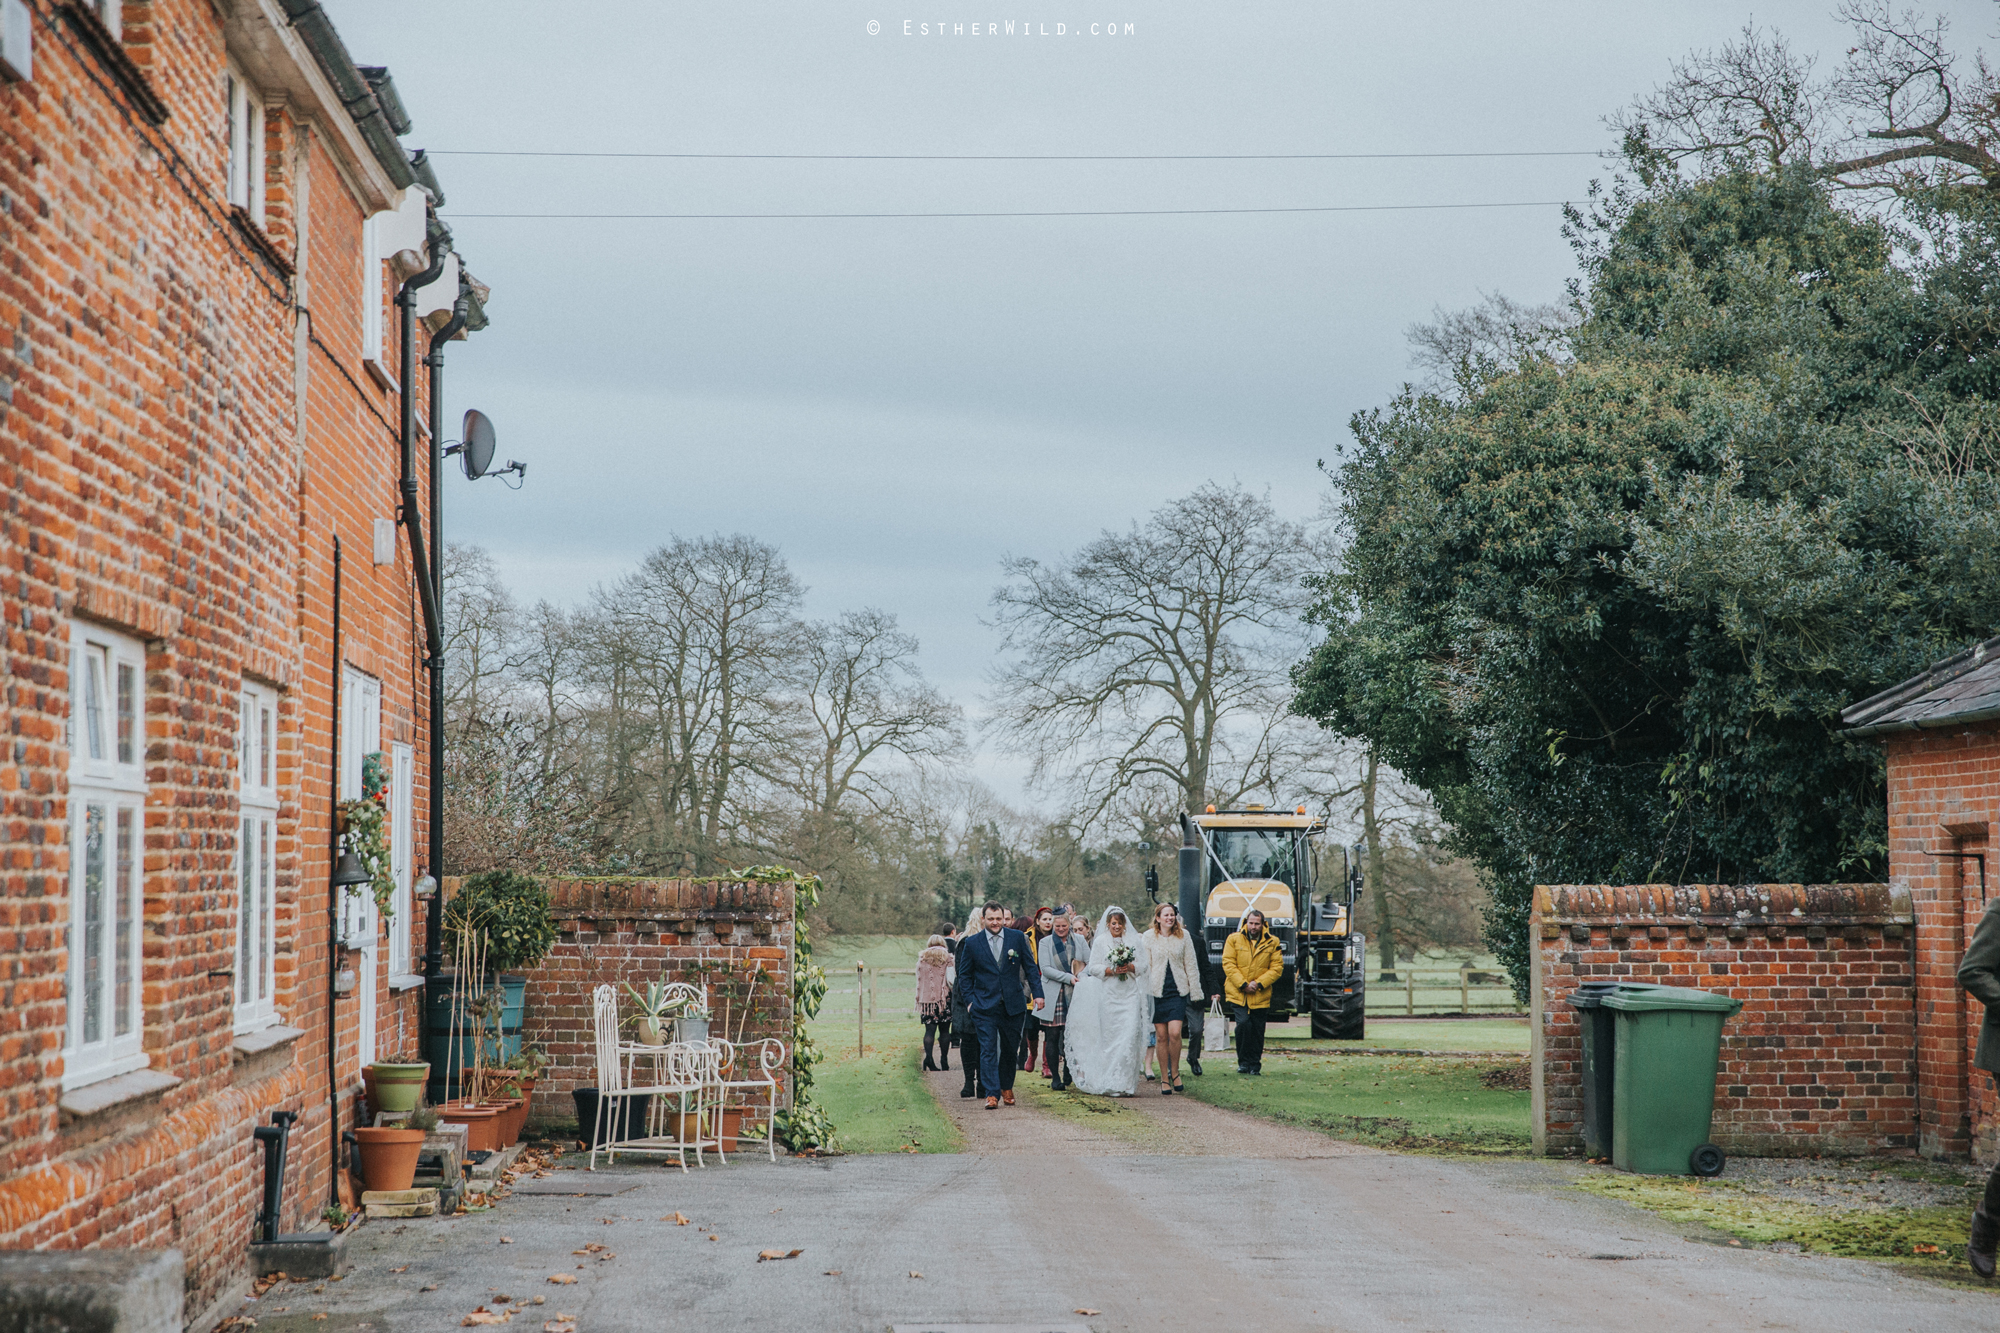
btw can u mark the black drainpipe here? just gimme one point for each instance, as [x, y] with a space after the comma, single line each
[434, 944]
[333, 901]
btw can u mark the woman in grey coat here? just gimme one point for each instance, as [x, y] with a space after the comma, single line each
[1062, 959]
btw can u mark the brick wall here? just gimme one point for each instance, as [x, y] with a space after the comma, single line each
[736, 937]
[1822, 1057]
[185, 426]
[1944, 792]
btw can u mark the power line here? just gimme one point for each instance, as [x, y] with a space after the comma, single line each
[1001, 157]
[1051, 213]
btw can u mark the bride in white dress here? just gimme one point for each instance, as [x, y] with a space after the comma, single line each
[1110, 1013]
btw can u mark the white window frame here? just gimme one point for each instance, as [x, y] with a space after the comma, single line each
[372, 315]
[402, 839]
[360, 736]
[104, 1024]
[256, 860]
[245, 109]
[111, 13]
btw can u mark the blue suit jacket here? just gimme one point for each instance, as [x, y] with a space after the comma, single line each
[989, 985]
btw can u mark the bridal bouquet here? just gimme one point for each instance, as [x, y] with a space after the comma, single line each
[1120, 955]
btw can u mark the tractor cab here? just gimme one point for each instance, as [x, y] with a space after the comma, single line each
[1264, 859]
[1267, 859]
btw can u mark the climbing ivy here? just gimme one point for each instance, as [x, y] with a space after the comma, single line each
[805, 1126]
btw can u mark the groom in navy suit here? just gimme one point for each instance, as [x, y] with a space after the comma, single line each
[992, 965]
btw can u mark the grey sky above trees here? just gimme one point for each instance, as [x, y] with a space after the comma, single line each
[897, 405]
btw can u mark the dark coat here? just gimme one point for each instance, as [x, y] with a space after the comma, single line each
[989, 985]
[1979, 973]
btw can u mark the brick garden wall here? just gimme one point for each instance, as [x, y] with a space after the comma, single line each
[736, 937]
[1822, 1058]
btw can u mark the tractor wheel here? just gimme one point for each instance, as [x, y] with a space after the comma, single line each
[1344, 1024]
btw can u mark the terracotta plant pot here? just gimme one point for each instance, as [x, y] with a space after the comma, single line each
[389, 1156]
[394, 1087]
[482, 1124]
[513, 1115]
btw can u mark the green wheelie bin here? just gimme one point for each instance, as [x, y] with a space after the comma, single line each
[1668, 1045]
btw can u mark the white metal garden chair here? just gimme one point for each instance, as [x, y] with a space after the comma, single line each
[767, 1074]
[619, 1080]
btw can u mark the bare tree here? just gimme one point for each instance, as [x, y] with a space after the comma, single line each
[1902, 113]
[479, 618]
[1465, 348]
[702, 631]
[1150, 667]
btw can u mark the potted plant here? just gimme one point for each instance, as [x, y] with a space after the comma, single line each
[498, 920]
[394, 1086]
[691, 1024]
[655, 1011]
[389, 1152]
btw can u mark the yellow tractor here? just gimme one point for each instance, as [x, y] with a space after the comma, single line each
[1234, 860]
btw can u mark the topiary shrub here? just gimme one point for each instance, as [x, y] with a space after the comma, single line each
[511, 910]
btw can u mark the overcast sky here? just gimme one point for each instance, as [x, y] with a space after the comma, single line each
[896, 404]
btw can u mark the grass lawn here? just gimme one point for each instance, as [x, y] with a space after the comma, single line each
[1409, 1103]
[1929, 1240]
[1500, 1035]
[876, 1096]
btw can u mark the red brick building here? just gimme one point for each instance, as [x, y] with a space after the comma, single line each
[1854, 1036]
[1940, 732]
[204, 216]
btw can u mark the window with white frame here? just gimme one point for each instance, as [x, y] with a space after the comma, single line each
[402, 822]
[246, 147]
[371, 291]
[111, 13]
[256, 855]
[107, 797]
[360, 736]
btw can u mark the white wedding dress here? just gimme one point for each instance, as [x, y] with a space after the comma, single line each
[1105, 1037]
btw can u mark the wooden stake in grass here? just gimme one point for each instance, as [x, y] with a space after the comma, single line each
[860, 1012]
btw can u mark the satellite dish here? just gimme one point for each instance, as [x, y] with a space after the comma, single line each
[476, 454]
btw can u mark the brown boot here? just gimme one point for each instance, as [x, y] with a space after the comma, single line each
[1985, 1238]
[1007, 1096]
[992, 1102]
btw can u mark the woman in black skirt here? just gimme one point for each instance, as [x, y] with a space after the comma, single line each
[1174, 976]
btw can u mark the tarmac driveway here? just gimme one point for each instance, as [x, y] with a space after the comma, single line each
[1355, 1240]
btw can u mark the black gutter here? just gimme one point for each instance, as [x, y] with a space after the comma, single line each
[356, 96]
[1942, 722]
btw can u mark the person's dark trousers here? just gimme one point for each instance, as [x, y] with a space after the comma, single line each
[939, 1035]
[968, 1058]
[999, 1049]
[1250, 1038]
[1052, 1046]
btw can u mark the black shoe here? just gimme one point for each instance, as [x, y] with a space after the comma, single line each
[1985, 1238]
[1258, 1073]
[1194, 1064]
[944, 1064]
[968, 1091]
[930, 1066]
[1241, 1070]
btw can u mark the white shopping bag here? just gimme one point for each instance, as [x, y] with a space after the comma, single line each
[1214, 1034]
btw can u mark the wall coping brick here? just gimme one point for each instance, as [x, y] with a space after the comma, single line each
[1726, 904]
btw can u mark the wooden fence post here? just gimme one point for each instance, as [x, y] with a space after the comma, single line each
[860, 1011]
[1464, 992]
[1410, 992]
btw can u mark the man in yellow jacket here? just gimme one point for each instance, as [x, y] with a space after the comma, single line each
[1252, 962]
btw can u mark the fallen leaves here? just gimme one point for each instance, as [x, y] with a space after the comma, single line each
[1084, 1309]
[431, 1287]
[1925, 1249]
[678, 1218]
[564, 1325]
[404, 1269]
[915, 1273]
[592, 1248]
[833, 1272]
[485, 1316]
[763, 1255]
[562, 1279]
[318, 1317]
[506, 1240]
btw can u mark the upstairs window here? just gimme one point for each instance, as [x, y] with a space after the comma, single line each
[256, 853]
[246, 147]
[111, 13]
[107, 798]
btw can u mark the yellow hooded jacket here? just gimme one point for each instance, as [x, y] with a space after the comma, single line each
[1262, 962]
